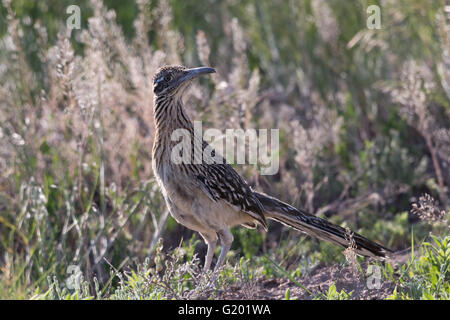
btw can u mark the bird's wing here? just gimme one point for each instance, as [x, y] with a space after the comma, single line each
[221, 182]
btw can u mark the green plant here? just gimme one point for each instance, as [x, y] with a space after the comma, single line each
[333, 294]
[426, 276]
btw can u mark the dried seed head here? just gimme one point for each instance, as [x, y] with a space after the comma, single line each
[427, 209]
[350, 253]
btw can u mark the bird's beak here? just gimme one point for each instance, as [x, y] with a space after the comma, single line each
[194, 73]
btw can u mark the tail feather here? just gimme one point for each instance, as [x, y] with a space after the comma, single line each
[317, 227]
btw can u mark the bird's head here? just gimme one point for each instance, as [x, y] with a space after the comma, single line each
[173, 80]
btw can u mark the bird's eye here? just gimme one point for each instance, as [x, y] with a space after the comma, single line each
[168, 78]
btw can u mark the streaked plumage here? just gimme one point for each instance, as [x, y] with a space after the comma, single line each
[210, 197]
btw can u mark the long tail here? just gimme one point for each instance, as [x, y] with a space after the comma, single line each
[319, 228]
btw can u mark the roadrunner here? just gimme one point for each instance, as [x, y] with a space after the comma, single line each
[209, 196]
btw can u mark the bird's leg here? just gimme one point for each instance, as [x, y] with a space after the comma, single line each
[226, 238]
[211, 241]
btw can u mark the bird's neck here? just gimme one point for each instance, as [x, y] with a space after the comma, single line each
[170, 114]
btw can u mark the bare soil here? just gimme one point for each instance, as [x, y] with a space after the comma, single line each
[319, 280]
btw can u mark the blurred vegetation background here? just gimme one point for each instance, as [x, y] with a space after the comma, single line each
[364, 119]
